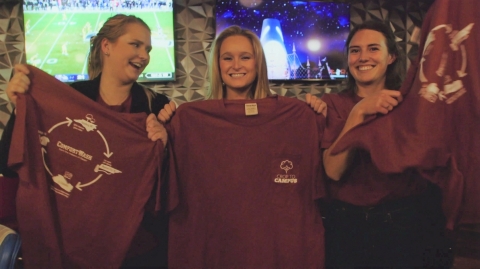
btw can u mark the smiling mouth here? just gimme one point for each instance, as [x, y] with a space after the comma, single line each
[136, 65]
[237, 75]
[365, 67]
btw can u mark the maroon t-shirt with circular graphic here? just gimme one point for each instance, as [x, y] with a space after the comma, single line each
[86, 173]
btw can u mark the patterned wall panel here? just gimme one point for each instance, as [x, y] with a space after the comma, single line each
[414, 18]
[194, 33]
[391, 12]
[11, 50]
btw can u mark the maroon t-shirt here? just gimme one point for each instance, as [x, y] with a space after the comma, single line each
[243, 191]
[362, 183]
[437, 127]
[86, 173]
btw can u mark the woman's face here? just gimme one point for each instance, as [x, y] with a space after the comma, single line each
[368, 57]
[129, 54]
[237, 65]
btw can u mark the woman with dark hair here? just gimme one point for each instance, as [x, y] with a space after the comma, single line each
[395, 71]
[374, 219]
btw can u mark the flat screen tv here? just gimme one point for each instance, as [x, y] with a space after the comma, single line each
[302, 40]
[58, 33]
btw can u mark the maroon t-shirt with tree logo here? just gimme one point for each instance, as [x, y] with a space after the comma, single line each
[243, 188]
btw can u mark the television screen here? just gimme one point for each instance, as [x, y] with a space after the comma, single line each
[58, 33]
[302, 40]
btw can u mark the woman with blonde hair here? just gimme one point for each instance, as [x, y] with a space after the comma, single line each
[219, 87]
[244, 154]
[237, 74]
[118, 55]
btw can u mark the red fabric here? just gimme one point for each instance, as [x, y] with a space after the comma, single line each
[228, 207]
[437, 127]
[86, 173]
[362, 183]
[8, 191]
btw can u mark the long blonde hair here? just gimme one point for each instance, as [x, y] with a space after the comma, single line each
[260, 87]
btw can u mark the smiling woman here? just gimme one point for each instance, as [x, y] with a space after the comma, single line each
[129, 54]
[239, 175]
[373, 218]
[369, 58]
[238, 69]
[119, 54]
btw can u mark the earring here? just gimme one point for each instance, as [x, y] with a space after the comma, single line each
[106, 53]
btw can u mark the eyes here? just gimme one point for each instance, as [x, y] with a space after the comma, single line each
[357, 50]
[139, 45]
[242, 57]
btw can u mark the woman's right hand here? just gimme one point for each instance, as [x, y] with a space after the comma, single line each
[19, 83]
[381, 102]
[167, 112]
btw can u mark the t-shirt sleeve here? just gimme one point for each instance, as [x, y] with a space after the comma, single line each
[334, 122]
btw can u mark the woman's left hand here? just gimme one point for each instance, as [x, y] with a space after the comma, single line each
[156, 130]
[317, 104]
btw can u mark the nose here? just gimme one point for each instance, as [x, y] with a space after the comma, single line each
[237, 64]
[363, 57]
[143, 54]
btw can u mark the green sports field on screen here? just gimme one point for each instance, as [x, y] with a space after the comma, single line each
[58, 41]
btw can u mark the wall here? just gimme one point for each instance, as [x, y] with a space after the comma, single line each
[194, 33]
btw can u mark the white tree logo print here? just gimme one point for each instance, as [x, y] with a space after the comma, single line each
[286, 165]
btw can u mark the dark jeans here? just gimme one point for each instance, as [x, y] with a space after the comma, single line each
[405, 233]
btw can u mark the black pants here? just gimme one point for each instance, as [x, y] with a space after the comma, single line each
[405, 233]
[157, 257]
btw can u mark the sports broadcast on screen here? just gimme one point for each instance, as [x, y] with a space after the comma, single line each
[58, 34]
